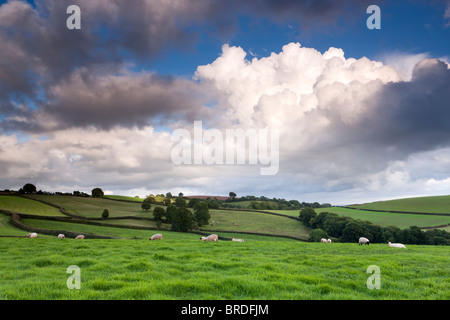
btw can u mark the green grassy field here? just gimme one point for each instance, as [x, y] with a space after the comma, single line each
[93, 207]
[182, 267]
[401, 220]
[437, 204]
[22, 205]
[114, 197]
[187, 268]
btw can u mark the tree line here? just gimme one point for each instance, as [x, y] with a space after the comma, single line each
[346, 229]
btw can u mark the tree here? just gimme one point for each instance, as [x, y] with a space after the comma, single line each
[180, 202]
[169, 195]
[201, 213]
[307, 216]
[158, 213]
[97, 193]
[193, 202]
[170, 211]
[232, 195]
[150, 199]
[105, 214]
[182, 220]
[167, 201]
[146, 205]
[29, 188]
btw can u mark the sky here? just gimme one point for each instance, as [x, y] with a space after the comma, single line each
[354, 114]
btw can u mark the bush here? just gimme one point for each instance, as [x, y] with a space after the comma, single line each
[317, 234]
[307, 216]
[105, 214]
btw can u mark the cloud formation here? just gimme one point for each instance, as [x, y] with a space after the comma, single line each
[75, 107]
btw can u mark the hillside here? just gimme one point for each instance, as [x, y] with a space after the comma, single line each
[435, 204]
[128, 220]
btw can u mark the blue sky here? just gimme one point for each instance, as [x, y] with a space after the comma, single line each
[407, 27]
[99, 104]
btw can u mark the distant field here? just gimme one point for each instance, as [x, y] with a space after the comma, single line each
[401, 220]
[256, 222]
[93, 207]
[184, 268]
[22, 205]
[124, 198]
[437, 204]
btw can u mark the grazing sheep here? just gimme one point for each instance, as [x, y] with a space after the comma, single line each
[363, 240]
[157, 236]
[32, 235]
[323, 240]
[61, 236]
[329, 240]
[211, 237]
[238, 240]
[235, 224]
[396, 245]
[79, 237]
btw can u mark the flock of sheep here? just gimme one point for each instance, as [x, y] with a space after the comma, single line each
[215, 237]
[60, 236]
[366, 241]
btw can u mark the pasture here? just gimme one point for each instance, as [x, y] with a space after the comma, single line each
[183, 267]
[435, 204]
[401, 220]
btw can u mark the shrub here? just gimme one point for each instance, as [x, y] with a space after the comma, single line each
[307, 216]
[317, 234]
[105, 214]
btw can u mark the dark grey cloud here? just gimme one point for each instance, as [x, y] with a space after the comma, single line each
[413, 116]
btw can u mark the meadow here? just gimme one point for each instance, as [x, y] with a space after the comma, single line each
[182, 267]
[435, 204]
[185, 268]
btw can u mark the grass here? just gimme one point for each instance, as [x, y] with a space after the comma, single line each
[6, 229]
[248, 221]
[22, 205]
[191, 269]
[92, 207]
[401, 220]
[436, 204]
[114, 197]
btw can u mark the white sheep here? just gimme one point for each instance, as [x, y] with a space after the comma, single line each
[323, 240]
[32, 235]
[396, 245]
[61, 236]
[329, 240]
[211, 237]
[157, 236]
[238, 240]
[79, 237]
[363, 240]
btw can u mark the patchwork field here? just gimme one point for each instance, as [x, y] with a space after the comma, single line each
[182, 267]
